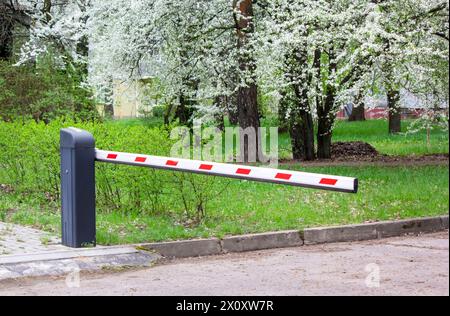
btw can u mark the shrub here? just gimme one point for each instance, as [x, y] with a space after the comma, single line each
[29, 163]
[159, 111]
[43, 92]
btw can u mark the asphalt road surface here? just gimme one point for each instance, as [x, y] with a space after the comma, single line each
[398, 266]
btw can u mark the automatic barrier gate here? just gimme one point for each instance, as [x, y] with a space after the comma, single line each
[78, 156]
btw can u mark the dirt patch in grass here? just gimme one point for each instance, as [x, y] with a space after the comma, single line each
[353, 150]
[9, 213]
[6, 188]
[362, 154]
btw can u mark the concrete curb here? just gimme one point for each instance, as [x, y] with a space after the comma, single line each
[185, 249]
[262, 241]
[372, 231]
[292, 238]
[72, 262]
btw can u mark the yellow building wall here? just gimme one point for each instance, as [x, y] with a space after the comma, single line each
[127, 99]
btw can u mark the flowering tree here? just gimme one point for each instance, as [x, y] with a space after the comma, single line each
[320, 52]
[410, 48]
[318, 55]
[200, 50]
[57, 26]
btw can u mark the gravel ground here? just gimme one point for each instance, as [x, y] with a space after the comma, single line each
[398, 266]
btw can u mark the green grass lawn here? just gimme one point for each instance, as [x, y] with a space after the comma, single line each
[244, 207]
[374, 132]
[247, 207]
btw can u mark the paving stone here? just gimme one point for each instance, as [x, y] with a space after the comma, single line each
[16, 239]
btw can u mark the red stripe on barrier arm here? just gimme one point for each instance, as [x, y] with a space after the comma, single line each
[206, 167]
[283, 176]
[328, 181]
[141, 159]
[244, 171]
[172, 163]
[112, 156]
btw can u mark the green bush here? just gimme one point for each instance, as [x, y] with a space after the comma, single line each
[30, 163]
[43, 92]
[159, 111]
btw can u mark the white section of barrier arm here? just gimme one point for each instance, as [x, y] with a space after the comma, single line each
[286, 177]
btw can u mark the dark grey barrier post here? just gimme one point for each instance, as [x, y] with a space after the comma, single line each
[78, 188]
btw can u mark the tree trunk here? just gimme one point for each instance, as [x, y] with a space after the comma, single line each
[358, 114]
[395, 115]
[187, 102]
[46, 10]
[233, 117]
[283, 124]
[247, 97]
[324, 143]
[325, 114]
[325, 125]
[168, 113]
[182, 111]
[219, 116]
[301, 124]
[359, 109]
[83, 50]
[108, 106]
[302, 137]
[6, 38]
[301, 127]
[220, 119]
[232, 109]
[248, 116]
[109, 110]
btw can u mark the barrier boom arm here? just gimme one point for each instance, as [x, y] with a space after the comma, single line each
[285, 177]
[78, 197]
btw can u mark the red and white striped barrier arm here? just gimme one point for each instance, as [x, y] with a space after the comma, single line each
[293, 178]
